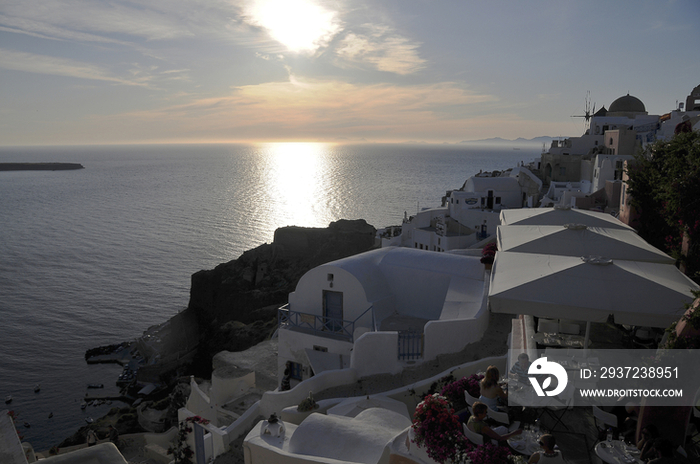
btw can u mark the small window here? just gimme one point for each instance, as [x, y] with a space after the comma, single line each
[562, 170]
[611, 140]
[322, 349]
[438, 240]
[329, 277]
[498, 200]
[457, 200]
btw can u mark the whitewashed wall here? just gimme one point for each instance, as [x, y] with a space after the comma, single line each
[199, 403]
[292, 346]
[276, 401]
[308, 296]
[425, 294]
[376, 353]
[226, 388]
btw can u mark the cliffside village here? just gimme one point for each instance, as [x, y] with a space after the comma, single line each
[362, 338]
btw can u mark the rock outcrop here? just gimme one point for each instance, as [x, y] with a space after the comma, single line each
[236, 303]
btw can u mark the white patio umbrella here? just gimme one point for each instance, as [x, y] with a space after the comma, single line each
[351, 407]
[579, 240]
[568, 287]
[558, 216]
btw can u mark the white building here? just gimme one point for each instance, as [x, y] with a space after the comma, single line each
[378, 311]
[328, 439]
[470, 214]
[619, 131]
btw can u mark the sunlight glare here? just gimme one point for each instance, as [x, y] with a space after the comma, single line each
[300, 25]
[296, 180]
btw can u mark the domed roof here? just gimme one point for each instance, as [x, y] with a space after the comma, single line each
[627, 104]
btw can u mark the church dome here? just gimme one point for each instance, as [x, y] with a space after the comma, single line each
[627, 104]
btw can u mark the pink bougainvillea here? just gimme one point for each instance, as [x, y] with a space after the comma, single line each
[438, 429]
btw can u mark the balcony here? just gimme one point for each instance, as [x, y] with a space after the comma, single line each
[339, 329]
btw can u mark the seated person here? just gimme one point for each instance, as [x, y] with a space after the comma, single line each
[548, 455]
[646, 442]
[491, 392]
[477, 424]
[519, 369]
[664, 452]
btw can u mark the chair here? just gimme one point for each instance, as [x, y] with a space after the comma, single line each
[559, 410]
[603, 419]
[502, 418]
[473, 437]
[469, 398]
[680, 450]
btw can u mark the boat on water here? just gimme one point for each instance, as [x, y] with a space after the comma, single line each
[89, 420]
[83, 405]
[95, 385]
[37, 388]
[8, 399]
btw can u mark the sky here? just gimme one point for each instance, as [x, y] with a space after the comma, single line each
[434, 71]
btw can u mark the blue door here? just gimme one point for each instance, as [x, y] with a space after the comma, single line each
[333, 311]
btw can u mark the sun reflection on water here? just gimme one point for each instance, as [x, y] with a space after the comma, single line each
[297, 183]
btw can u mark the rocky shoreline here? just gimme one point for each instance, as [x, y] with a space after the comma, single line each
[232, 308]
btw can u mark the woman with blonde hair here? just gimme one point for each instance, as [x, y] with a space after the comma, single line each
[490, 391]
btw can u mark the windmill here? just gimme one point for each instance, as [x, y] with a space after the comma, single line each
[588, 113]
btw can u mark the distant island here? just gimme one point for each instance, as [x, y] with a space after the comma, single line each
[39, 166]
[519, 141]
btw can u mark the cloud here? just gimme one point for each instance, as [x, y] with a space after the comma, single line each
[381, 48]
[310, 110]
[43, 64]
[90, 20]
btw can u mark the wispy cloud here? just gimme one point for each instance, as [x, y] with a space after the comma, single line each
[382, 48]
[43, 64]
[309, 109]
[89, 20]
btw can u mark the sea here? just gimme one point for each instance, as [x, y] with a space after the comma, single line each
[96, 256]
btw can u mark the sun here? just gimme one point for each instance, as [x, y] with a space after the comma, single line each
[299, 25]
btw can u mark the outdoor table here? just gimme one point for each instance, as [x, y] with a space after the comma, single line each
[524, 395]
[526, 443]
[559, 340]
[521, 394]
[616, 452]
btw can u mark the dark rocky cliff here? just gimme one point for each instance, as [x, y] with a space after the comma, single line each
[235, 304]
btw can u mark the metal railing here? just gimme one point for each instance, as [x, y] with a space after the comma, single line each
[321, 325]
[410, 345]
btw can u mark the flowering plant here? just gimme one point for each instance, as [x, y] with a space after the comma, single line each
[454, 392]
[473, 386]
[488, 453]
[488, 253]
[181, 451]
[438, 430]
